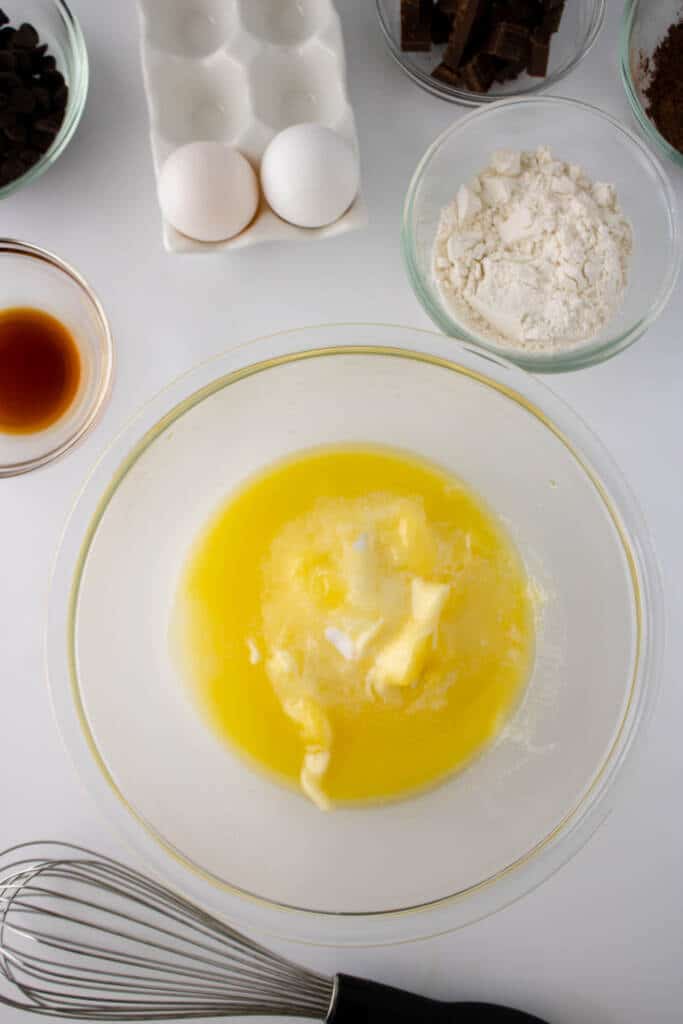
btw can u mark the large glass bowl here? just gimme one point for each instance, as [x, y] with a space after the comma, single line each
[643, 27]
[579, 30]
[59, 28]
[608, 151]
[244, 846]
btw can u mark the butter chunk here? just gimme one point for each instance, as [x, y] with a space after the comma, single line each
[315, 764]
[401, 661]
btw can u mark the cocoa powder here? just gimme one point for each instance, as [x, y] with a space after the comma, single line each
[664, 92]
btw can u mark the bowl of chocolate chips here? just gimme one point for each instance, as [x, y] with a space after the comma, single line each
[43, 87]
[478, 51]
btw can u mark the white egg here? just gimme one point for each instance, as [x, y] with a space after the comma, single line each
[309, 175]
[208, 191]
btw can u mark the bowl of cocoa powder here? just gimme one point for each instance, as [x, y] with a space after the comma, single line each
[652, 70]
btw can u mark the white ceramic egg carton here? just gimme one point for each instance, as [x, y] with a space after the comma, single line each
[240, 71]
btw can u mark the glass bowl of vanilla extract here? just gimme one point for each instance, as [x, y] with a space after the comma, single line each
[56, 357]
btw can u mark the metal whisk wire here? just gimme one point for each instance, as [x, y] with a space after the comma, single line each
[84, 936]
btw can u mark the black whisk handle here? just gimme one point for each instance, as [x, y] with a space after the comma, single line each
[357, 1001]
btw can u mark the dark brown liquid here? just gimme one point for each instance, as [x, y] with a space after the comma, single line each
[40, 370]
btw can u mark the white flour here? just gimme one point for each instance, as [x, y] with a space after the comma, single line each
[533, 253]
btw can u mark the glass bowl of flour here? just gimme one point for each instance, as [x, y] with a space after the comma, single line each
[543, 230]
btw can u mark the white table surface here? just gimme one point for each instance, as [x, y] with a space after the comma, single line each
[602, 941]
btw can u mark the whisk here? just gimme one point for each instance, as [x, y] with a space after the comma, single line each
[83, 936]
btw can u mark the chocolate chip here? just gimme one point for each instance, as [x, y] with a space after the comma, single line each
[28, 157]
[22, 101]
[60, 99]
[9, 81]
[6, 37]
[39, 141]
[42, 98]
[10, 169]
[49, 125]
[25, 37]
[3, 18]
[52, 80]
[16, 132]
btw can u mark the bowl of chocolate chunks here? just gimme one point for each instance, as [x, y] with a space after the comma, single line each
[43, 87]
[478, 51]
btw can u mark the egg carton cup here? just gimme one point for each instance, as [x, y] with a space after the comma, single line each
[239, 72]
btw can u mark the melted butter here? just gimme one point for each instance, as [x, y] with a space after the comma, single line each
[356, 622]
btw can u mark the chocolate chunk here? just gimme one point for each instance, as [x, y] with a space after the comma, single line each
[479, 74]
[442, 23]
[445, 74]
[3, 18]
[463, 22]
[510, 70]
[6, 36]
[509, 42]
[552, 18]
[524, 12]
[539, 55]
[416, 25]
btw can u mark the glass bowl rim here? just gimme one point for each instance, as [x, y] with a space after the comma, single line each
[78, 93]
[646, 124]
[300, 923]
[24, 250]
[584, 355]
[471, 99]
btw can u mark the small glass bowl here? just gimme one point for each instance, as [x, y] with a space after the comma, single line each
[643, 28]
[57, 27]
[580, 27]
[32, 277]
[608, 151]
